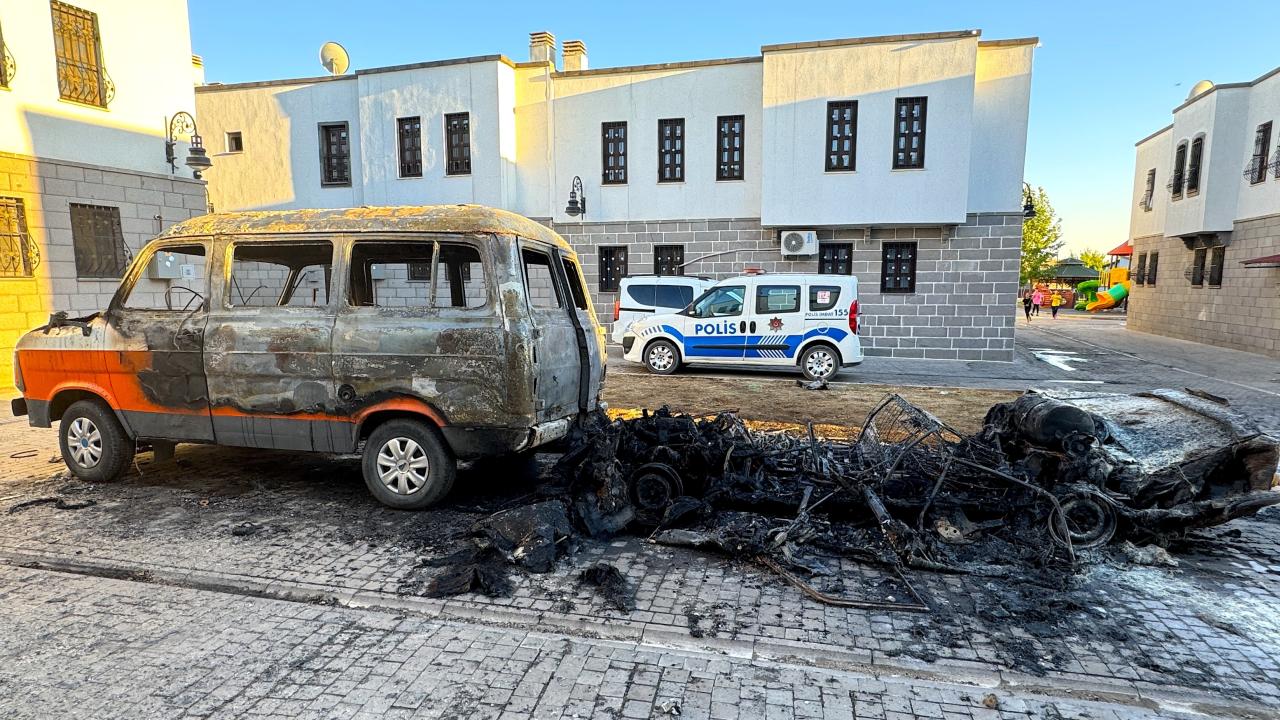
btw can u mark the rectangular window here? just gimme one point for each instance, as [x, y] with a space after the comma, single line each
[573, 276]
[1261, 149]
[409, 146]
[772, 299]
[729, 147]
[1140, 276]
[1148, 196]
[668, 259]
[835, 258]
[175, 281]
[823, 297]
[457, 136]
[235, 142]
[842, 135]
[280, 274]
[898, 269]
[398, 275]
[1217, 259]
[335, 154]
[676, 297]
[540, 282]
[1193, 166]
[1151, 268]
[671, 150]
[908, 134]
[613, 149]
[613, 267]
[1179, 171]
[77, 46]
[1197, 267]
[99, 241]
[460, 280]
[17, 258]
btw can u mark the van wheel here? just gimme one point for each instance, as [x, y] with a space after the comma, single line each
[407, 466]
[661, 357]
[820, 362]
[94, 445]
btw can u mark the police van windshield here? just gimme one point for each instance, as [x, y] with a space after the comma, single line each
[719, 302]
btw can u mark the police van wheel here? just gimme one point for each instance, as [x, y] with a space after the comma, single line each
[661, 357]
[407, 466]
[820, 362]
[93, 444]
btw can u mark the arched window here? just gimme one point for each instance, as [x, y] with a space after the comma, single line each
[1193, 166]
[1179, 170]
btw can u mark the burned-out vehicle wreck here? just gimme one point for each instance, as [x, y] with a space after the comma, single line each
[421, 334]
[1050, 478]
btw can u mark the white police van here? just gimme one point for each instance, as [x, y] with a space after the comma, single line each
[783, 320]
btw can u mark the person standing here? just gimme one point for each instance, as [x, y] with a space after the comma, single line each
[1037, 299]
[1026, 305]
[1054, 303]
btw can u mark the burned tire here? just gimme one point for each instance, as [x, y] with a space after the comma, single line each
[662, 357]
[407, 466]
[820, 362]
[1091, 522]
[93, 443]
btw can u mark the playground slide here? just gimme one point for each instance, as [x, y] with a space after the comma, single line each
[1110, 298]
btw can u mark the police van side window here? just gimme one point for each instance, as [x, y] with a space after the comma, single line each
[644, 295]
[673, 296]
[773, 299]
[823, 297]
[721, 302]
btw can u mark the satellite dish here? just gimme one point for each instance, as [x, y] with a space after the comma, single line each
[334, 58]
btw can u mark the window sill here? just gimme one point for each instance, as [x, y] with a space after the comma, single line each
[671, 182]
[850, 171]
[612, 184]
[80, 103]
[409, 177]
[1192, 193]
[725, 180]
[455, 175]
[906, 169]
[328, 186]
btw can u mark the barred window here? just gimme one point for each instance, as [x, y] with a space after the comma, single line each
[671, 150]
[77, 46]
[842, 130]
[1197, 266]
[1152, 265]
[1217, 259]
[1193, 166]
[613, 148]
[668, 259]
[457, 135]
[908, 141]
[335, 154]
[4, 62]
[1261, 148]
[1140, 275]
[1149, 194]
[729, 147]
[17, 254]
[835, 258]
[1179, 170]
[613, 267]
[409, 146]
[98, 241]
[898, 269]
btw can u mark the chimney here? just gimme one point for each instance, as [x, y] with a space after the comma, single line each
[542, 47]
[575, 55]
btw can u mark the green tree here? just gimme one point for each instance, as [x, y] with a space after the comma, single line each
[1093, 260]
[1041, 240]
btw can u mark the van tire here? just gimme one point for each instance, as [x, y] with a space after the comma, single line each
[820, 361]
[393, 448]
[661, 357]
[94, 445]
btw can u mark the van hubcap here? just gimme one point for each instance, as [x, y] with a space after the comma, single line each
[403, 466]
[84, 442]
[661, 357]
[819, 363]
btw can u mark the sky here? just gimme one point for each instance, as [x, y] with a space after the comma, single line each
[1106, 75]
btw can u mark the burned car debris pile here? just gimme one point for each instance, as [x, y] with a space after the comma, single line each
[1050, 476]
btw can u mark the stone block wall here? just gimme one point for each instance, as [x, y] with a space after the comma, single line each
[47, 188]
[1243, 313]
[963, 307]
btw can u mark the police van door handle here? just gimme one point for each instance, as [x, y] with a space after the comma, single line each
[742, 326]
[753, 326]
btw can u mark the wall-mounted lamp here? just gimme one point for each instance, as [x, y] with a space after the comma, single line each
[183, 124]
[577, 199]
[1028, 203]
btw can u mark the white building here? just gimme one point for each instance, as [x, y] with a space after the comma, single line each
[84, 92]
[901, 156]
[1205, 223]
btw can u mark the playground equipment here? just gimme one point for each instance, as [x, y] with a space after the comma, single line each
[1110, 297]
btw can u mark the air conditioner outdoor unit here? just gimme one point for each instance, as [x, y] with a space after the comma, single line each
[799, 242]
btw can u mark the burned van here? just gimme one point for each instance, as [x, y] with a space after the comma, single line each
[415, 336]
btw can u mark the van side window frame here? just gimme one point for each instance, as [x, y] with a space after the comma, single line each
[138, 266]
[437, 244]
[560, 290]
[331, 277]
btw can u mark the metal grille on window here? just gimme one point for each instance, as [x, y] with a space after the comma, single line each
[1140, 277]
[671, 150]
[1179, 170]
[613, 146]
[1197, 267]
[7, 65]
[1152, 266]
[78, 50]
[842, 128]
[409, 132]
[1193, 166]
[898, 269]
[668, 259]
[98, 241]
[1256, 170]
[335, 154]
[835, 258]
[613, 267]
[457, 132]
[908, 142]
[729, 147]
[1147, 197]
[18, 255]
[1217, 259]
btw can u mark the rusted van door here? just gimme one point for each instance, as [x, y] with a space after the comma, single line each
[267, 348]
[556, 353]
[590, 336]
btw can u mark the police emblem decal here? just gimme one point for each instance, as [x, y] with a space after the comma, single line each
[775, 324]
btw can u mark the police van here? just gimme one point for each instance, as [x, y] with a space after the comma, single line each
[779, 320]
